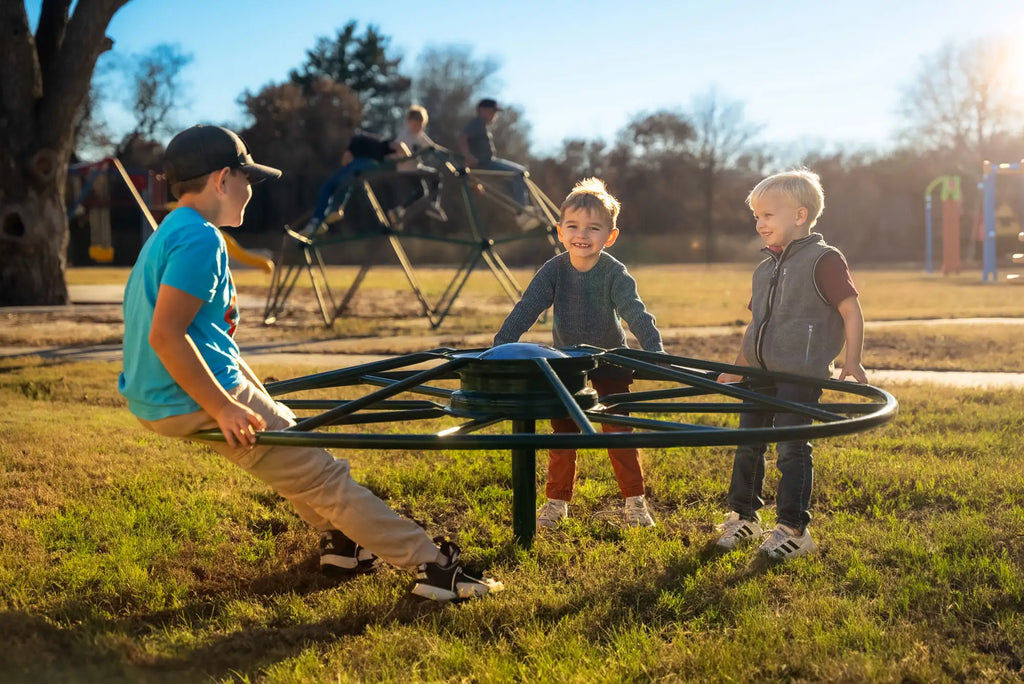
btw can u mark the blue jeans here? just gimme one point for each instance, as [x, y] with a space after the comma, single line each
[795, 462]
[516, 184]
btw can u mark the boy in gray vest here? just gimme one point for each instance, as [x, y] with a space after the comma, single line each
[804, 309]
[589, 290]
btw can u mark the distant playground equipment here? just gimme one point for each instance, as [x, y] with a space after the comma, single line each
[952, 209]
[366, 215]
[92, 189]
[992, 220]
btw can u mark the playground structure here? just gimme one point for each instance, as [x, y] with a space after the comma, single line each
[987, 186]
[952, 209]
[367, 216]
[515, 385]
[93, 193]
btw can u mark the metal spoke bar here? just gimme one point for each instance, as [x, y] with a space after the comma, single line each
[575, 412]
[725, 407]
[614, 399]
[347, 376]
[647, 423]
[387, 404]
[622, 440]
[325, 418]
[755, 373]
[381, 381]
[729, 390]
[391, 416]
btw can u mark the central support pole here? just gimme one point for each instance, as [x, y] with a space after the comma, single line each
[524, 486]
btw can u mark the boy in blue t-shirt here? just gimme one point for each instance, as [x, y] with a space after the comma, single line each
[183, 372]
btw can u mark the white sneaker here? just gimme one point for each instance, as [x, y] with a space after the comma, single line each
[637, 514]
[553, 511]
[736, 529]
[785, 543]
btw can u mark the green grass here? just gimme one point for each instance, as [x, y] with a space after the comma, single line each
[128, 557]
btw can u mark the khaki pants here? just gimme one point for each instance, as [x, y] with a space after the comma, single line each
[317, 484]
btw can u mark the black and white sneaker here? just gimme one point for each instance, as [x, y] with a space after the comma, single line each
[736, 530]
[342, 557]
[449, 582]
[786, 543]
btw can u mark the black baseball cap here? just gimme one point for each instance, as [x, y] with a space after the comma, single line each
[201, 149]
[488, 102]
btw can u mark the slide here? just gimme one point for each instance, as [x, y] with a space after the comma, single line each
[244, 256]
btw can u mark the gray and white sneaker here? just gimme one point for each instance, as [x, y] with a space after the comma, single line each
[551, 513]
[785, 543]
[736, 530]
[636, 511]
[449, 581]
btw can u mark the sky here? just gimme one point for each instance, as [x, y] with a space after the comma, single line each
[825, 72]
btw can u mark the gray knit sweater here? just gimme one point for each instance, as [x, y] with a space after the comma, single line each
[587, 306]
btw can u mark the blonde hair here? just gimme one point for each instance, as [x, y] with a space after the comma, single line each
[417, 113]
[592, 195]
[801, 186]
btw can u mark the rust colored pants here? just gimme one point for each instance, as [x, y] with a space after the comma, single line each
[625, 462]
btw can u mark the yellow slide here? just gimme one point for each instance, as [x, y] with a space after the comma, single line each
[244, 256]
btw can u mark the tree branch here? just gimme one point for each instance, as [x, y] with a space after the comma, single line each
[68, 77]
[21, 83]
[53, 21]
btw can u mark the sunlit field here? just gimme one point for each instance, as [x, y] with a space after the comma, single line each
[678, 295]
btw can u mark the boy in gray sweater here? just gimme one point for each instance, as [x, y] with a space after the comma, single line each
[804, 308]
[590, 290]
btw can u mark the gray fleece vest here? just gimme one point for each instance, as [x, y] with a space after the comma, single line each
[794, 329]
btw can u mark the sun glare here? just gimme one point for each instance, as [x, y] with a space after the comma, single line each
[1013, 78]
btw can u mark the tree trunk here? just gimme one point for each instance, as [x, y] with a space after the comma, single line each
[45, 80]
[33, 232]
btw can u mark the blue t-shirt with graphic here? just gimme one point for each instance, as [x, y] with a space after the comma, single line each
[187, 252]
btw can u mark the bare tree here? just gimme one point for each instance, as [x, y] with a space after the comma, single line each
[45, 80]
[156, 89]
[147, 87]
[721, 137]
[963, 100]
[448, 81]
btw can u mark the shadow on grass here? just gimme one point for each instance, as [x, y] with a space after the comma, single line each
[91, 648]
[73, 644]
